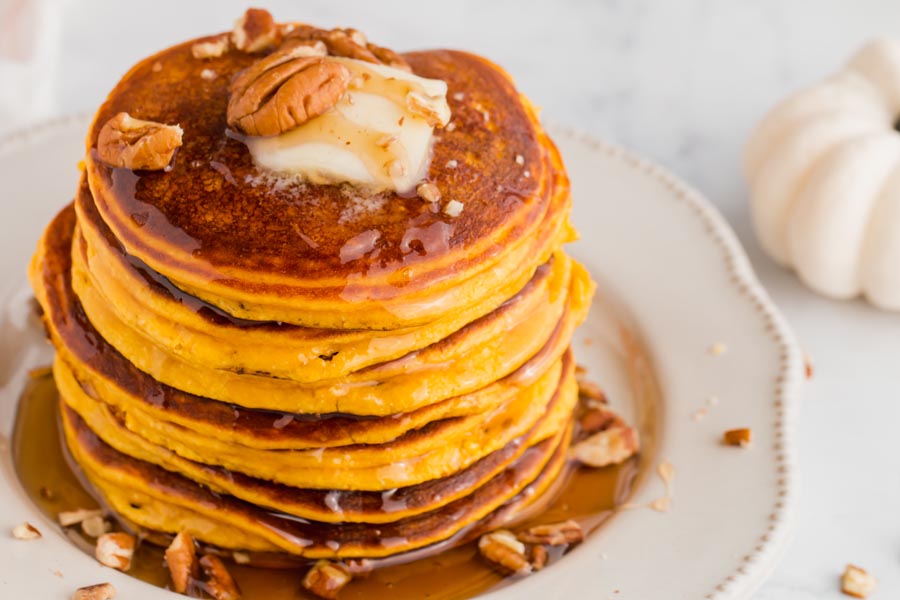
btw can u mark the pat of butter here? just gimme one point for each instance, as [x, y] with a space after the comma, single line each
[374, 137]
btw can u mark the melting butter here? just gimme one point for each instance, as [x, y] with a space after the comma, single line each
[377, 135]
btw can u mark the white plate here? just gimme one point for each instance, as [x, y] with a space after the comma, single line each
[659, 251]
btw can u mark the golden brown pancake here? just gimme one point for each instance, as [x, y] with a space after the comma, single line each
[202, 333]
[285, 253]
[322, 504]
[410, 459]
[162, 501]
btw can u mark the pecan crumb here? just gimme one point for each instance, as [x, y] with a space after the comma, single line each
[326, 579]
[100, 591]
[26, 531]
[255, 31]
[738, 437]
[428, 192]
[219, 582]
[210, 49]
[504, 552]
[181, 560]
[857, 582]
[115, 550]
[553, 534]
[808, 366]
[137, 144]
[453, 208]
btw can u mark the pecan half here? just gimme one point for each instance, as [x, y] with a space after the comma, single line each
[115, 550]
[504, 552]
[136, 144]
[326, 579]
[255, 31]
[100, 591]
[283, 91]
[219, 583]
[181, 559]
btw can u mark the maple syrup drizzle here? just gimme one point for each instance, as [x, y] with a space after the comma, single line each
[587, 495]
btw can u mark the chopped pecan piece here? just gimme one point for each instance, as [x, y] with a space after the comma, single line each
[136, 144]
[326, 579]
[181, 559]
[211, 49]
[255, 31]
[26, 531]
[283, 91]
[428, 192]
[610, 446]
[738, 437]
[505, 552]
[115, 550]
[100, 591]
[68, 518]
[219, 582]
[858, 582]
[554, 534]
[537, 556]
[94, 526]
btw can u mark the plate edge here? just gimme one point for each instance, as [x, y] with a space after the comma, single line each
[756, 565]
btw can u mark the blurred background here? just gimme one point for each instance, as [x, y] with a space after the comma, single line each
[680, 82]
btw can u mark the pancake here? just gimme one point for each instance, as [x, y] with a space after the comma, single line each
[162, 501]
[411, 459]
[202, 333]
[322, 504]
[403, 385]
[250, 249]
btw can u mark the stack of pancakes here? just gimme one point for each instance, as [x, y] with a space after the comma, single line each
[276, 366]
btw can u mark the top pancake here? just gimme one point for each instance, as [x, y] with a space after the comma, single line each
[219, 227]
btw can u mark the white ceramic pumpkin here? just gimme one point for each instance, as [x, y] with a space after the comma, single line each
[824, 172]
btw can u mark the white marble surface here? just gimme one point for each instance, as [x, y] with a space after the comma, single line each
[681, 82]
